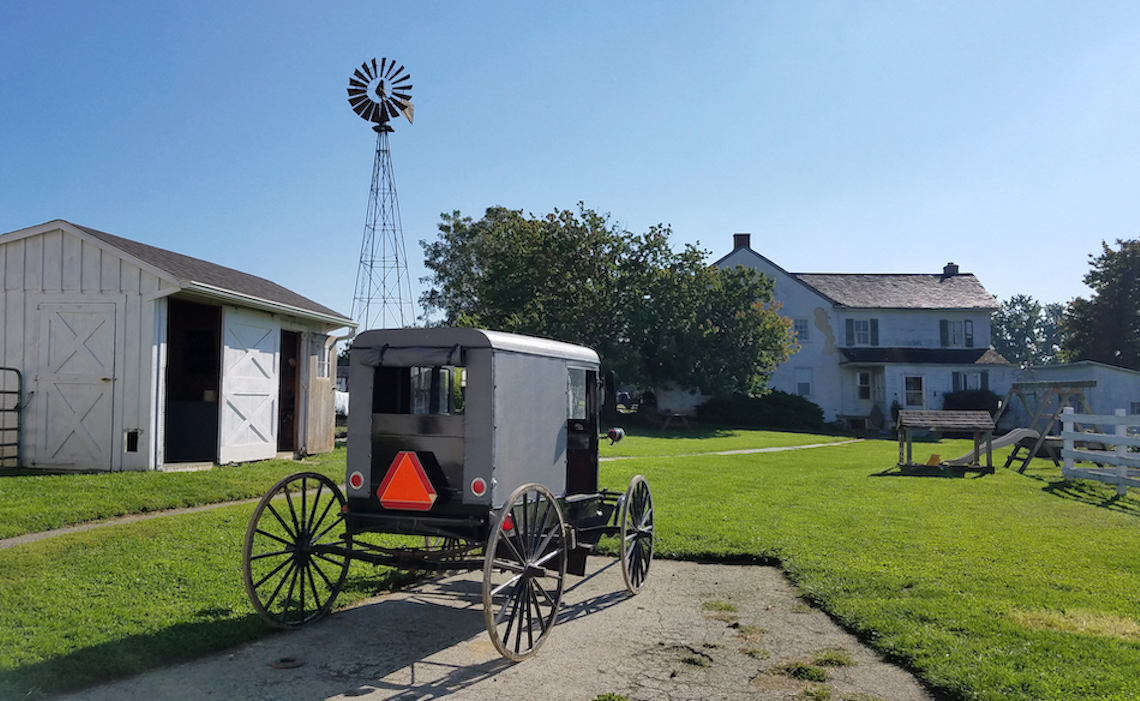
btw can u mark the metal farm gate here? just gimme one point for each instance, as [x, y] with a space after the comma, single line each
[11, 394]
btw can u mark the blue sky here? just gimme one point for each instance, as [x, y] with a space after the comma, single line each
[844, 136]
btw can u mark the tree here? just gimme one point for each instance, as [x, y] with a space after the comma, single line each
[1027, 333]
[1106, 326]
[653, 315]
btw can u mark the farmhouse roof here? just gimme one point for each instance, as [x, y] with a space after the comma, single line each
[901, 291]
[949, 290]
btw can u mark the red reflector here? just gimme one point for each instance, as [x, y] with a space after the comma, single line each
[508, 523]
[406, 486]
[478, 486]
[356, 480]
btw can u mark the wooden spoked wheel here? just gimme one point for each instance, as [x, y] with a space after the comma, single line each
[524, 571]
[636, 533]
[294, 561]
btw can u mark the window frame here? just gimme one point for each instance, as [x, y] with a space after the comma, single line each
[908, 391]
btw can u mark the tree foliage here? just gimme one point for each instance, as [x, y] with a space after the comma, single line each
[1106, 326]
[655, 316]
[1026, 332]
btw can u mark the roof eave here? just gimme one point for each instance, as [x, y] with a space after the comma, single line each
[224, 295]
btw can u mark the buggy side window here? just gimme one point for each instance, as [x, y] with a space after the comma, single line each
[419, 390]
[576, 393]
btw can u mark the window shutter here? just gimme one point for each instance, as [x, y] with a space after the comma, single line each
[944, 332]
[985, 379]
[968, 326]
[850, 332]
[956, 381]
[874, 332]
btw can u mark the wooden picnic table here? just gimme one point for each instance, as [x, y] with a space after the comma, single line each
[980, 423]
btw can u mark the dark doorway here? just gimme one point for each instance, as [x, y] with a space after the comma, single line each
[290, 391]
[193, 370]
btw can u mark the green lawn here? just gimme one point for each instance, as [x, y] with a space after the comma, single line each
[1003, 586]
[30, 503]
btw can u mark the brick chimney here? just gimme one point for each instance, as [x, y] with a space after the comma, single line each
[741, 241]
[950, 270]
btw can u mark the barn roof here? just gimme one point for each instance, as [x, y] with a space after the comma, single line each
[194, 272]
[901, 291]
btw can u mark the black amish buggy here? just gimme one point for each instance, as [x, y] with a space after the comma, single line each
[479, 449]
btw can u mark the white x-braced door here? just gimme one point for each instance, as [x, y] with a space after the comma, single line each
[250, 383]
[75, 382]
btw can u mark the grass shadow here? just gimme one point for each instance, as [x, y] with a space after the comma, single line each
[215, 630]
[929, 471]
[123, 658]
[1091, 493]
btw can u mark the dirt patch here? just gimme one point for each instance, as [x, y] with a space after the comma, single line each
[696, 631]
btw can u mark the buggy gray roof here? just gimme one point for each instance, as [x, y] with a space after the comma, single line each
[407, 344]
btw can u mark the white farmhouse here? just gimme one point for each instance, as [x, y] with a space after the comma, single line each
[125, 356]
[872, 341]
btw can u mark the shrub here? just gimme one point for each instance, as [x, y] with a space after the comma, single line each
[776, 409]
[971, 400]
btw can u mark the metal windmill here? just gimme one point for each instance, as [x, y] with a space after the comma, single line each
[383, 297]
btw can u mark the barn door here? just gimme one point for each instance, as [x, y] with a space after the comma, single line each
[76, 384]
[250, 367]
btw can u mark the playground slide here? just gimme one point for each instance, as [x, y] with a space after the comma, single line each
[1010, 438]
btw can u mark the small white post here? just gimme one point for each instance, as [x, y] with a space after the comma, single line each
[1121, 455]
[1066, 431]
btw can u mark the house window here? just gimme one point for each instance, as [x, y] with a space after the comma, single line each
[1134, 407]
[863, 381]
[970, 380]
[915, 396]
[803, 382]
[800, 326]
[862, 332]
[956, 334]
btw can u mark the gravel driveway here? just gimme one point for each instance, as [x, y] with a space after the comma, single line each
[696, 631]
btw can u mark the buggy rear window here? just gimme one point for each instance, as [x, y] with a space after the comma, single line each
[419, 390]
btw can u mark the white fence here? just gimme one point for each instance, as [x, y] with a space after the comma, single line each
[1115, 463]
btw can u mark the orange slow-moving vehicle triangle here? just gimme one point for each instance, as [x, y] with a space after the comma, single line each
[406, 486]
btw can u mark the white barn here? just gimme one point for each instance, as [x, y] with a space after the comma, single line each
[138, 358]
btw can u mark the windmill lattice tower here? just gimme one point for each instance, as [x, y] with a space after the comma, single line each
[383, 297]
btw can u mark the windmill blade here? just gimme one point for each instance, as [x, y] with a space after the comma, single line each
[361, 108]
[403, 96]
[407, 108]
[383, 62]
[375, 71]
[360, 84]
[360, 76]
[375, 113]
[359, 105]
[392, 74]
